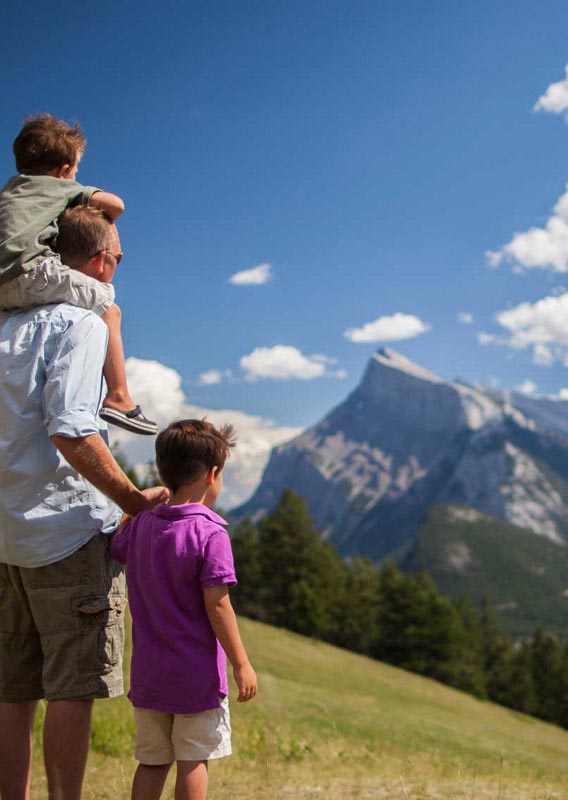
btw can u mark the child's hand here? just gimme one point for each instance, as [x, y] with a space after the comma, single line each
[245, 677]
[111, 204]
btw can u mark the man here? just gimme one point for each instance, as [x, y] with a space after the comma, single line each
[61, 594]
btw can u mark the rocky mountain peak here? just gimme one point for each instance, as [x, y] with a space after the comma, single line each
[405, 439]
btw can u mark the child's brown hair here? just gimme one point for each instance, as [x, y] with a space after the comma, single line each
[188, 448]
[46, 143]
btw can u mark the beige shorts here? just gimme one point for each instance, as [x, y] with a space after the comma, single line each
[54, 282]
[62, 627]
[164, 738]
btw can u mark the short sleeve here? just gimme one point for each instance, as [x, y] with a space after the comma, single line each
[73, 382]
[218, 566]
[77, 193]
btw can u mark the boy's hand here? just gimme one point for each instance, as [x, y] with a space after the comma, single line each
[245, 677]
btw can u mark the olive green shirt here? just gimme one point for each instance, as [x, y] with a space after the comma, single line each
[29, 208]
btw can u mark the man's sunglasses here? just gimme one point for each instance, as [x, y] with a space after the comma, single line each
[116, 256]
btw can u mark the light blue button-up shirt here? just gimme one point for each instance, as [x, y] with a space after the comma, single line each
[51, 361]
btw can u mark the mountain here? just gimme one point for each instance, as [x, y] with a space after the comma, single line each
[405, 440]
[468, 553]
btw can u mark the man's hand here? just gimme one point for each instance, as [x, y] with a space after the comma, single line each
[91, 457]
[155, 495]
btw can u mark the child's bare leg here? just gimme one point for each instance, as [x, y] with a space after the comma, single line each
[191, 780]
[149, 781]
[118, 407]
[114, 368]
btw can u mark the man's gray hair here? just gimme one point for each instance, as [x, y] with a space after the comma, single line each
[83, 232]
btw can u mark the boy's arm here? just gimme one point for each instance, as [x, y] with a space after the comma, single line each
[111, 204]
[224, 624]
[119, 528]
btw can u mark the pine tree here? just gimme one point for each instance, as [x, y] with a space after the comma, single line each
[246, 594]
[546, 662]
[421, 631]
[472, 677]
[518, 689]
[497, 653]
[357, 613]
[295, 588]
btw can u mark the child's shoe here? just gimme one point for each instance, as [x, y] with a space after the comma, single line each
[133, 421]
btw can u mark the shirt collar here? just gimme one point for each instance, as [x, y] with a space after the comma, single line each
[188, 510]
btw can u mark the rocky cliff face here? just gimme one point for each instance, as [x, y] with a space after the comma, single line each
[404, 440]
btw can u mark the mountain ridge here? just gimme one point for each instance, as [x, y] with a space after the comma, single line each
[405, 439]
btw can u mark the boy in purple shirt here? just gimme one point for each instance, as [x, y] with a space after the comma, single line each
[179, 567]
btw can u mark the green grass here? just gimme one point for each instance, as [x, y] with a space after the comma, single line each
[334, 725]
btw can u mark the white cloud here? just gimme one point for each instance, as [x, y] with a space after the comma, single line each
[563, 394]
[526, 387]
[388, 329]
[538, 248]
[555, 98]
[465, 318]
[252, 277]
[484, 338]
[283, 362]
[542, 355]
[542, 326]
[158, 390]
[214, 376]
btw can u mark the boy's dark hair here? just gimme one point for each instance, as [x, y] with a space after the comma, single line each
[46, 143]
[84, 231]
[188, 448]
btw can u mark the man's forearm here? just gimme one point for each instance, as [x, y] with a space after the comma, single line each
[91, 457]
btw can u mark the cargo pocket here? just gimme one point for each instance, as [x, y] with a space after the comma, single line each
[102, 623]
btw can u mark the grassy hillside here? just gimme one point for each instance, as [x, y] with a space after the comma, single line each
[331, 724]
[524, 576]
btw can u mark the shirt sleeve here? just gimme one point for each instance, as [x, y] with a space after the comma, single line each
[73, 384]
[77, 193]
[218, 566]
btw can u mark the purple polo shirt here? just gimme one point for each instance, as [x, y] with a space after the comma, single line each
[171, 554]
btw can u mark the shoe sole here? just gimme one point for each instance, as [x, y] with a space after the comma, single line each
[131, 425]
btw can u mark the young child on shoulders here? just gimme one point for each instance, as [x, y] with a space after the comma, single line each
[179, 566]
[48, 152]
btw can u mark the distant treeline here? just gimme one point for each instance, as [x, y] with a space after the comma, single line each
[291, 578]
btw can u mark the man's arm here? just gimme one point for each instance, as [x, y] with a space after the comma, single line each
[111, 204]
[91, 457]
[226, 629]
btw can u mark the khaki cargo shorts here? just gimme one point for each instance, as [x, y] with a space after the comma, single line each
[164, 738]
[54, 282]
[62, 627]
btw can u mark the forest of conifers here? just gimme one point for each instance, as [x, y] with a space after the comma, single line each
[291, 578]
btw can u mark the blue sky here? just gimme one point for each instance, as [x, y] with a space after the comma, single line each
[374, 154]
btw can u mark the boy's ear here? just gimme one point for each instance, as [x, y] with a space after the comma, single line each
[211, 475]
[63, 171]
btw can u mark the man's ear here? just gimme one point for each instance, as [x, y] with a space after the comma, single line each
[63, 171]
[98, 264]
